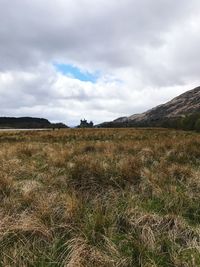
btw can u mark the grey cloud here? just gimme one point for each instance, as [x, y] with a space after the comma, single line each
[106, 33]
[47, 93]
[151, 46]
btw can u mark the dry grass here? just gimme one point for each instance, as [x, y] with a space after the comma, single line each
[100, 197]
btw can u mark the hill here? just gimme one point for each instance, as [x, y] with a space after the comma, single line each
[169, 113]
[28, 122]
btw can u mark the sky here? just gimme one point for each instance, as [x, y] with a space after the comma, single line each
[66, 60]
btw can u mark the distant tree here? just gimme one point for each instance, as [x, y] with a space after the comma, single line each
[197, 125]
[189, 121]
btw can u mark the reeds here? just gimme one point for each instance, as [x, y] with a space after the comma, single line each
[100, 197]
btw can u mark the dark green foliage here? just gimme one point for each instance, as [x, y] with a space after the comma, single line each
[189, 121]
[197, 125]
[28, 123]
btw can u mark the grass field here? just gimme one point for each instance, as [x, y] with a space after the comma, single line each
[100, 197]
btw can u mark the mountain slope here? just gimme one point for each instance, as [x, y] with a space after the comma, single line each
[28, 122]
[184, 104]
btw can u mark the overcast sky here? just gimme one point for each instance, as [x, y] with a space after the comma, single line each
[96, 59]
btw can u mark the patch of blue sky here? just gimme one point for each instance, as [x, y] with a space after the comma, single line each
[76, 73]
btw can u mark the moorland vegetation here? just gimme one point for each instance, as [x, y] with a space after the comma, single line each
[100, 197]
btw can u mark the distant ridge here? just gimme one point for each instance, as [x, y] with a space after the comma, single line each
[179, 107]
[28, 123]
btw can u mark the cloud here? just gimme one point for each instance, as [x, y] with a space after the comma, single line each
[56, 96]
[144, 52]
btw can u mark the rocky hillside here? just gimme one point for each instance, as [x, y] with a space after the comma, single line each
[184, 104]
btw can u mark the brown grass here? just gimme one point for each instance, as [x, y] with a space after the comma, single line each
[100, 197]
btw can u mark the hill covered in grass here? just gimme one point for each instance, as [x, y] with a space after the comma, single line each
[100, 197]
[173, 114]
[28, 123]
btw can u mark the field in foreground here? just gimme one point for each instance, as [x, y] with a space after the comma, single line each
[100, 198]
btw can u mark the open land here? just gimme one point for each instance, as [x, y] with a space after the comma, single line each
[100, 197]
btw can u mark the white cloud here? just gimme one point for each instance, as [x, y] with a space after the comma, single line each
[146, 51]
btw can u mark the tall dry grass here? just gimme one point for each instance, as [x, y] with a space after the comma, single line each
[100, 197]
